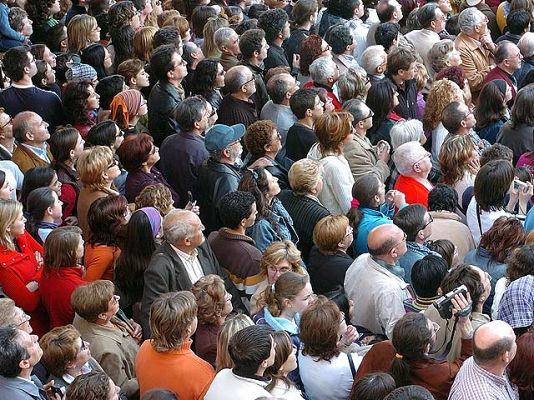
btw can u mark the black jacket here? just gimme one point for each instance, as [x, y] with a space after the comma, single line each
[275, 57]
[162, 101]
[407, 107]
[292, 45]
[261, 96]
[327, 271]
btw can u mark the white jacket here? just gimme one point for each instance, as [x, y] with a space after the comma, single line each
[228, 386]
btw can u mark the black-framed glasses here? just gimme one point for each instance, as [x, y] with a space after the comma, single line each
[6, 124]
[404, 237]
[120, 134]
[250, 80]
[25, 318]
[427, 154]
[371, 115]
[114, 163]
[430, 220]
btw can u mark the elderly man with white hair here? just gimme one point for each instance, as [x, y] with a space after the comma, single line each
[324, 74]
[414, 164]
[227, 41]
[526, 46]
[374, 61]
[475, 47]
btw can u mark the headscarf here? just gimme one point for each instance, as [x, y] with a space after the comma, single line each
[129, 102]
[154, 217]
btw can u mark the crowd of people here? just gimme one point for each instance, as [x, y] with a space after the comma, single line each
[277, 199]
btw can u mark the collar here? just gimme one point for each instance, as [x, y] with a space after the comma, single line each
[472, 44]
[185, 256]
[19, 86]
[282, 324]
[499, 380]
[320, 85]
[384, 268]
[394, 116]
[6, 149]
[84, 370]
[225, 232]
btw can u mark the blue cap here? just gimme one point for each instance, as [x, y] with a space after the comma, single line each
[220, 136]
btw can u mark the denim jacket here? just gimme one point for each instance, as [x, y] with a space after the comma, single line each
[6, 32]
[414, 253]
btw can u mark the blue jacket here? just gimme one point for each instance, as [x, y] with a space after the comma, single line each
[414, 253]
[6, 31]
[371, 219]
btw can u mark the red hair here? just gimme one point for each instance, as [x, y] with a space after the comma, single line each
[134, 151]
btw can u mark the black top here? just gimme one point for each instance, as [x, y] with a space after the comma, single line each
[292, 45]
[234, 111]
[299, 141]
[327, 271]
[163, 99]
[407, 107]
[275, 57]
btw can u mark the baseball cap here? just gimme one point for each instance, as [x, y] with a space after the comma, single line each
[220, 136]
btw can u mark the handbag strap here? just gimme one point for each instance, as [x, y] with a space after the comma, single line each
[351, 364]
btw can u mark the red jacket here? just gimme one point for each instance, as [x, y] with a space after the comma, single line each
[329, 93]
[414, 191]
[17, 269]
[56, 289]
[497, 73]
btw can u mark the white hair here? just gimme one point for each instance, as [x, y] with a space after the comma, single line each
[222, 36]
[406, 131]
[407, 155]
[322, 69]
[469, 18]
[526, 44]
[372, 58]
[176, 226]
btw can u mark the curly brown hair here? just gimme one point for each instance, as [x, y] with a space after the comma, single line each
[506, 234]
[319, 325]
[259, 135]
[521, 263]
[210, 295]
[442, 93]
[454, 157]
[38, 10]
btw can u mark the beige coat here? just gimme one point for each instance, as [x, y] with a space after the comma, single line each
[448, 225]
[476, 61]
[361, 156]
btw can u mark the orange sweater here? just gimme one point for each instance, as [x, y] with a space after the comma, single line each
[100, 262]
[180, 371]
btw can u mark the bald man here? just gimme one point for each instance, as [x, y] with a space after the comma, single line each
[378, 293]
[238, 106]
[182, 259]
[483, 376]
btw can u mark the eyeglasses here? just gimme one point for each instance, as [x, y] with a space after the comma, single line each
[341, 317]
[250, 80]
[114, 163]
[427, 155]
[274, 269]
[371, 115]
[120, 134]
[25, 318]
[153, 151]
[404, 237]
[430, 220]
[115, 299]
[350, 231]
[6, 124]
[84, 345]
[468, 114]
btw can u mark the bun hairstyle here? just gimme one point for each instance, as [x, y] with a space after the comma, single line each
[287, 286]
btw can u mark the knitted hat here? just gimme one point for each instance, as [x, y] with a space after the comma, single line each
[154, 217]
[130, 103]
[79, 72]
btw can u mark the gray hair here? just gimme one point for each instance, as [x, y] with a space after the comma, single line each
[372, 57]
[405, 131]
[407, 155]
[469, 18]
[526, 44]
[175, 227]
[235, 78]
[322, 69]
[357, 108]
[222, 36]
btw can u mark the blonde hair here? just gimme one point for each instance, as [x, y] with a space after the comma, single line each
[442, 93]
[92, 164]
[78, 32]
[209, 47]
[279, 251]
[287, 286]
[421, 76]
[10, 210]
[92, 299]
[171, 315]
[331, 129]
[304, 176]
[329, 231]
[158, 196]
[210, 293]
[166, 16]
[152, 19]
[142, 42]
[228, 329]
[454, 156]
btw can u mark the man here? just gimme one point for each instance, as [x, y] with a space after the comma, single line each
[458, 119]
[280, 88]
[518, 23]
[19, 353]
[342, 42]
[483, 376]
[19, 21]
[374, 62]
[31, 132]
[485, 9]
[220, 174]
[359, 30]
[252, 350]
[7, 141]
[387, 11]
[275, 23]
[526, 45]
[22, 95]
[307, 106]
[377, 293]
[182, 259]
[362, 156]
[227, 41]
[401, 69]
[508, 58]
[78, 7]
[324, 73]
[476, 48]
[192, 54]
[432, 22]
[253, 47]
[183, 153]
[426, 276]
[168, 67]
[236, 252]
[387, 35]
[416, 223]
[237, 107]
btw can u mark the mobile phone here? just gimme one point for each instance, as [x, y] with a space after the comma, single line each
[382, 146]
[191, 199]
[59, 390]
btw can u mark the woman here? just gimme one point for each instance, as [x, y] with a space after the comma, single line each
[42, 12]
[39, 177]
[492, 113]
[66, 355]
[501, 240]
[457, 75]
[520, 372]
[94, 385]
[333, 132]
[338, 12]
[310, 49]
[62, 273]
[303, 18]
[382, 98]
[122, 44]
[272, 222]
[57, 40]
[158, 196]
[107, 218]
[97, 169]
[142, 232]
[6, 190]
[232, 325]
[82, 31]
[105, 133]
[97, 57]
[354, 84]
[327, 373]
[209, 79]
[376, 207]
[43, 209]
[459, 163]
[517, 133]
[21, 264]
[214, 305]
[442, 93]
[80, 104]
[329, 261]
[126, 109]
[142, 43]
[306, 181]
[209, 48]
[114, 340]
[285, 361]
[374, 386]
[134, 74]
[442, 55]
[66, 145]
[138, 156]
